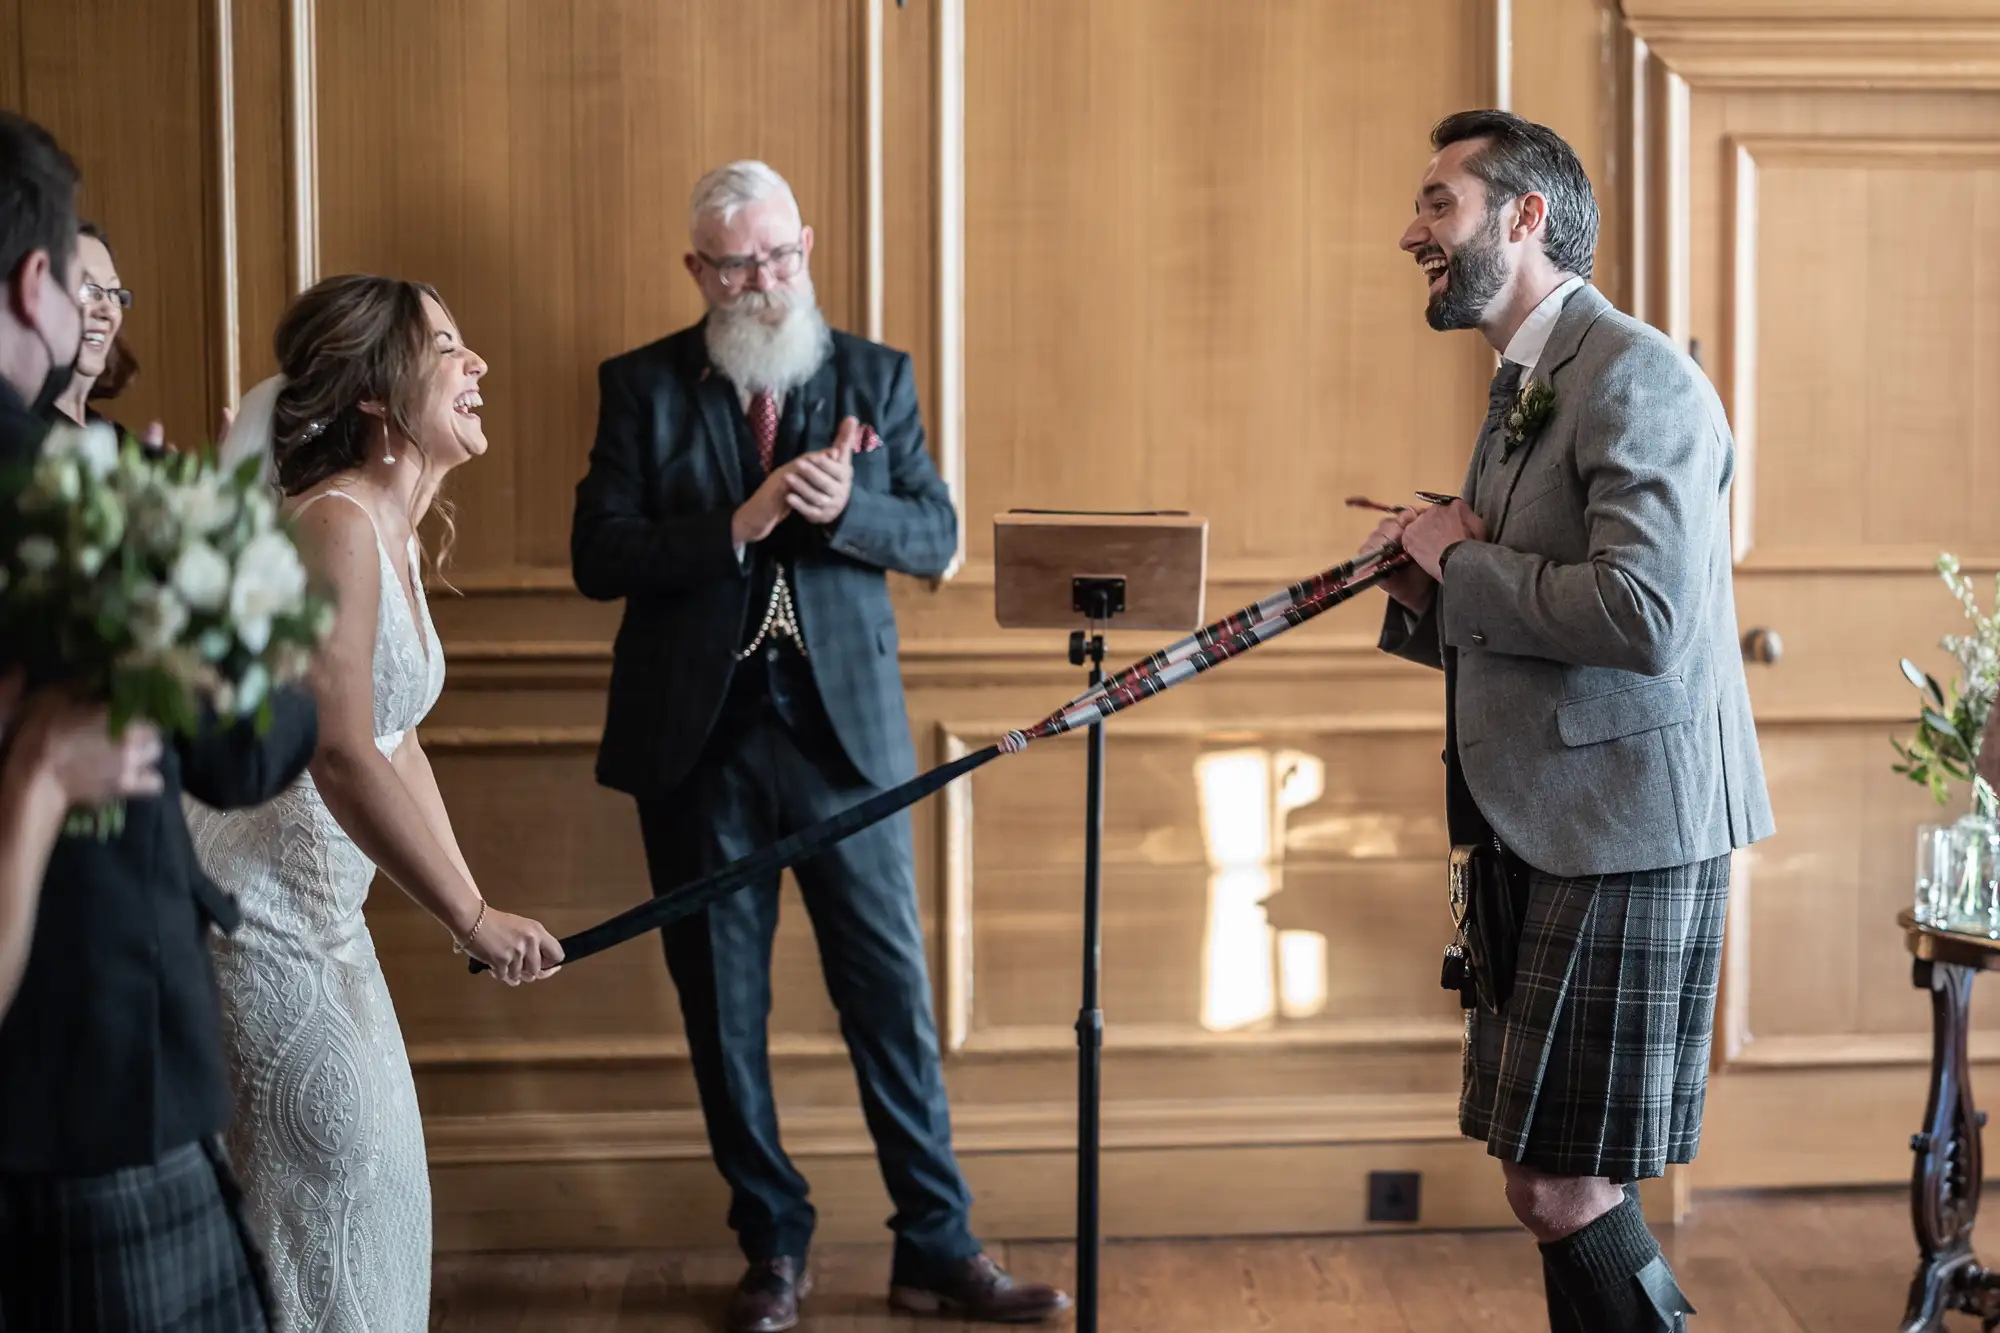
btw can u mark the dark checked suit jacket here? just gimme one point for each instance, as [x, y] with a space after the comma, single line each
[652, 526]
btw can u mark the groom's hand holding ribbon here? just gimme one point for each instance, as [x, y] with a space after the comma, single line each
[1411, 586]
[1430, 533]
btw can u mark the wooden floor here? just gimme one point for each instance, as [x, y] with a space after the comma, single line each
[1792, 1263]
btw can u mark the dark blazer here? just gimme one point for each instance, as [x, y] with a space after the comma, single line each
[112, 1051]
[652, 527]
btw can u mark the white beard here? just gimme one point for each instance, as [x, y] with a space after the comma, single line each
[758, 355]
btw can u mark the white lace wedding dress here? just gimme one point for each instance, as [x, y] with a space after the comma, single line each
[326, 1133]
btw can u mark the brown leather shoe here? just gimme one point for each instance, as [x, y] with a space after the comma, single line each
[977, 1288]
[767, 1299]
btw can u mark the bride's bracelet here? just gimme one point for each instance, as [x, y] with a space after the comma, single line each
[458, 946]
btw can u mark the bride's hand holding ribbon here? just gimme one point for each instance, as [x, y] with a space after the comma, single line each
[516, 948]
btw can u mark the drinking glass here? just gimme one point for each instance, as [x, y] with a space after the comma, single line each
[1977, 853]
[1933, 863]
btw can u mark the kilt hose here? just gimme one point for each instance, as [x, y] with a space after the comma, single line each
[1597, 1065]
[159, 1248]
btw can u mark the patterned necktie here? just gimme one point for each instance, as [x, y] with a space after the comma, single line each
[764, 425]
[1505, 388]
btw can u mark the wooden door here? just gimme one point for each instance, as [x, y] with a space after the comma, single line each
[1818, 214]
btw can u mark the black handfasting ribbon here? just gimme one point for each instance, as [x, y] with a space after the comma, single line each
[1232, 636]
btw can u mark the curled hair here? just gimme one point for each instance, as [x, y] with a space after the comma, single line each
[343, 342]
[120, 366]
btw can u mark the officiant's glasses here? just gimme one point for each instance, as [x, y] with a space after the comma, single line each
[735, 271]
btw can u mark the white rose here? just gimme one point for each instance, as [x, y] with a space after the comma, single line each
[153, 523]
[270, 581]
[158, 619]
[206, 507]
[250, 692]
[201, 576]
[94, 447]
[89, 559]
[58, 481]
[289, 662]
[38, 554]
[263, 511]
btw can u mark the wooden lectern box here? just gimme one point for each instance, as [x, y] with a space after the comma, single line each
[1057, 569]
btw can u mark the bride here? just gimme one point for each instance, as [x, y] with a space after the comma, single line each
[378, 399]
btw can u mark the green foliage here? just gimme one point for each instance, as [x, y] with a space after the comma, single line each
[1952, 719]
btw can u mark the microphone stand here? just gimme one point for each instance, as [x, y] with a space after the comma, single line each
[1098, 599]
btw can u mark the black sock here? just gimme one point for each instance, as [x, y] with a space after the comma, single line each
[1562, 1315]
[1615, 1276]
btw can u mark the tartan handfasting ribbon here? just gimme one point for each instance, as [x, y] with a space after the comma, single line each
[1212, 645]
[1232, 636]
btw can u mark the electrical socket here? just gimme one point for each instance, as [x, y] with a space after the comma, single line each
[1395, 1196]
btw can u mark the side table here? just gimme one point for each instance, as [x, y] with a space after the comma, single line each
[1944, 1186]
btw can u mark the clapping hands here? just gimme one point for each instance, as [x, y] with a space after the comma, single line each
[816, 486]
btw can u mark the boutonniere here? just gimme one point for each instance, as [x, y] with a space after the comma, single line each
[1526, 418]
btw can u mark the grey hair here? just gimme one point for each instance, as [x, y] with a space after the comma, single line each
[733, 186]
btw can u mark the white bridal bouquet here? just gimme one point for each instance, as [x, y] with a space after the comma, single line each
[167, 587]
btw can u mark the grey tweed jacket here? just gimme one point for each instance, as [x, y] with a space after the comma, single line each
[1603, 725]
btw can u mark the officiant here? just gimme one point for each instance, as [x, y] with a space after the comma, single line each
[752, 479]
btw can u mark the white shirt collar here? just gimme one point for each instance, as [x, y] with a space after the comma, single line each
[1525, 348]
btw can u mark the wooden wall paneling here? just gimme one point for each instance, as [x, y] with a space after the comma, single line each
[1270, 883]
[260, 162]
[1131, 338]
[219, 78]
[129, 93]
[1798, 146]
[301, 64]
[1552, 42]
[948, 409]
[13, 71]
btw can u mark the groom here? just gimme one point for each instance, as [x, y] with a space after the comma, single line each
[752, 478]
[1598, 730]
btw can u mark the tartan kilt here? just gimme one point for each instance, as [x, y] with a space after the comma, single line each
[1597, 1065]
[160, 1248]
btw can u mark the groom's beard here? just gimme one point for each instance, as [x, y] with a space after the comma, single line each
[1472, 278]
[771, 340]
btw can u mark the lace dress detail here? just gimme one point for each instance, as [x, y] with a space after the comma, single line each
[326, 1132]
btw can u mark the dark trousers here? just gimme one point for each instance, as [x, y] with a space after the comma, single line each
[160, 1248]
[759, 781]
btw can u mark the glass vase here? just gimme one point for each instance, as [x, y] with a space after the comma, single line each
[1969, 869]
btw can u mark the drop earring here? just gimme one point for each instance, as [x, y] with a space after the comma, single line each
[388, 455]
